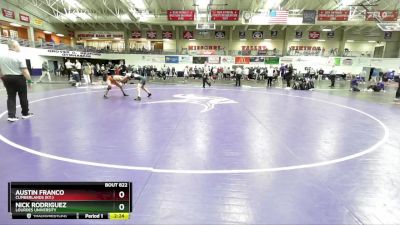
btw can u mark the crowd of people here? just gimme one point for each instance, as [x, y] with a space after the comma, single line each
[15, 76]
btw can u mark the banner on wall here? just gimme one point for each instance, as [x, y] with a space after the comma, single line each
[199, 59]
[185, 59]
[99, 34]
[151, 34]
[314, 35]
[299, 34]
[242, 34]
[309, 16]
[136, 34]
[180, 15]
[8, 13]
[336, 62]
[274, 33]
[333, 15]
[272, 60]
[330, 34]
[24, 18]
[219, 34]
[347, 62]
[188, 34]
[258, 34]
[227, 60]
[167, 34]
[38, 22]
[286, 60]
[171, 59]
[72, 54]
[256, 59]
[384, 15]
[213, 60]
[154, 58]
[253, 47]
[205, 47]
[225, 15]
[242, 60]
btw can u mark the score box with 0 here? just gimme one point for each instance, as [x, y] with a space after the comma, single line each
[70, 197]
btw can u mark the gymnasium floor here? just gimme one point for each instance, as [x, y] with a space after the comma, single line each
[220, 155]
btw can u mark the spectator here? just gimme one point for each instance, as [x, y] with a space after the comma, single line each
[45, 72]
[68, 67]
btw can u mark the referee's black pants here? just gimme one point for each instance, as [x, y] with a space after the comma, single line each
[398, 91]
[238, 78]
[14, 85]
[205, 81]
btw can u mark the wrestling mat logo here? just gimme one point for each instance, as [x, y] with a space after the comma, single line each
[208, 102]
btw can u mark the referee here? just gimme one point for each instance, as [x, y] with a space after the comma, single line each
[14, 73]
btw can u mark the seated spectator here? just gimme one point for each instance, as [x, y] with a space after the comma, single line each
[380, 86]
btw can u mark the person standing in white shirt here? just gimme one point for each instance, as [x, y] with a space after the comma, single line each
[68, 67]
[270, 76]
[78, 66]
[206, 73]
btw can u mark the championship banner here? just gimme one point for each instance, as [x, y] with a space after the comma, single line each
[99, 34]
[8, 13]
[67, 53]
[272, 60]
[225, 15]
[258, 35]
[384, 15]
[172, 59]
[185, 59]
[167, 34]
[151, 34]
[242, 60]
[309, 16]
[333, 15]
[330, 34]
[227, 60]
[38, 22]
[256, 59]
[219, 34]
[274, 33]
[213, 60]
[24, 18]
[314, 35]
[136, 34]
[242, 34]
[299, 34]
[180, 15]
[188, 34]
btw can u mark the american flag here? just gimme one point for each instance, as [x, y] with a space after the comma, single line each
[151, 34]
[167, 34]
[278, 16]
[136, 34]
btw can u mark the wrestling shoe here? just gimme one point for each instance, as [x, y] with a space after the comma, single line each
[27, 116]
[105, 96]
[12, 119]
[148, 95]
[125, 94]
[138, 98]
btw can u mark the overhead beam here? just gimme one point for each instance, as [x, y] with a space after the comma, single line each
[112, 12]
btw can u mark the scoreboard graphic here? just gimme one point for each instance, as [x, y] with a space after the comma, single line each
[70, 200]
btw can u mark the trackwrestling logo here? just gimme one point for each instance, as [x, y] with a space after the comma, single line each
[208, 102]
